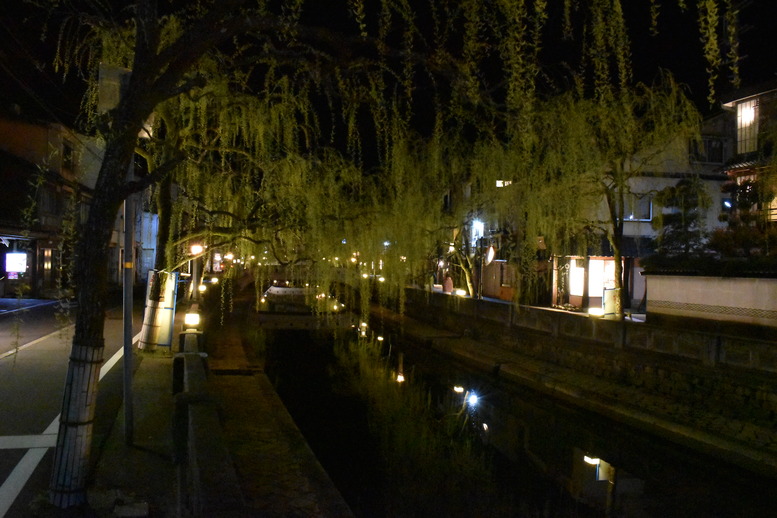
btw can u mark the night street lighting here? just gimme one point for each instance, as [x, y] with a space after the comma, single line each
[191, 320]
[596, 312]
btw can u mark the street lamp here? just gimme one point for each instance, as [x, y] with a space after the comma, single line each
[191, 320]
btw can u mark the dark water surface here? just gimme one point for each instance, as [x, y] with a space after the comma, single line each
[539, 445]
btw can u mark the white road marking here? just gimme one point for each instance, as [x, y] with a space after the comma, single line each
[22, 308]
[25, 442]
[28, 344]
[16, 481]
[107, 366]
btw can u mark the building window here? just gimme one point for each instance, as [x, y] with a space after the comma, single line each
[747, 126]
[639, 207]
[68, 156]
[47, 200]
[506, 273]
[771, 210]
[83, 215]
[709, 150]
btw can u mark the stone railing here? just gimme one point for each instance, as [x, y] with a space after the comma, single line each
[713, 347]
[208, 484]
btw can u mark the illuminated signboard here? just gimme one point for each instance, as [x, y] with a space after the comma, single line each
[16, 262]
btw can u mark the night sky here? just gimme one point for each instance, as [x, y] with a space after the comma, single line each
[27, 77]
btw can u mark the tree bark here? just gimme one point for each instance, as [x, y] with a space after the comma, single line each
[90, 268]
[74, 439]
[615, 198]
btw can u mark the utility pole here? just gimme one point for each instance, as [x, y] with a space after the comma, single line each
[112, 85]
[128, 278]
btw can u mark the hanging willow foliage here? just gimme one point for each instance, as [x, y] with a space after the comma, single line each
[328, 135]
[312, 155]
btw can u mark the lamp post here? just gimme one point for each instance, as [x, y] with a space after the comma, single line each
[112, 84]
[127, 281]
[196, 250]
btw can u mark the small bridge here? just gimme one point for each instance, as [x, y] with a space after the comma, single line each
[304, 321]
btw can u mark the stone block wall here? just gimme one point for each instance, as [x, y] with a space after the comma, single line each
[732, 375]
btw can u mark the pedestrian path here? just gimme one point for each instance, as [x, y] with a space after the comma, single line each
[277, 472]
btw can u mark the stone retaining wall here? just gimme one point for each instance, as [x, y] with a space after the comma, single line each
[729, 373]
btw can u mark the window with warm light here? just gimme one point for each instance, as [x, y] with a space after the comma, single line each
[747, 126]
[576, 278]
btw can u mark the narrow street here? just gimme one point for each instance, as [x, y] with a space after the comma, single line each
[34, 350]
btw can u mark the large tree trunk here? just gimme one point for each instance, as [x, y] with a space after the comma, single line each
[74, 439]
[615, 197]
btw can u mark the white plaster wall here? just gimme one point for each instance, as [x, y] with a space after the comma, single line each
[730, 299]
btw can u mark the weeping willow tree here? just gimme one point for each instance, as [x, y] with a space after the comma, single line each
[629, 134]
[570, 158]
[330, 133]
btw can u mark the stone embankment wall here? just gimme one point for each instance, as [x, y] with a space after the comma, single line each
[730, 374]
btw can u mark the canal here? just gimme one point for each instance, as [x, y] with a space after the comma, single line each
[530, 455]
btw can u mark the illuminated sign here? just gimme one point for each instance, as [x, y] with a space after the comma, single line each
[16, 262]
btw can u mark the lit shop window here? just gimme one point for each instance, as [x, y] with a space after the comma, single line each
[747, 126]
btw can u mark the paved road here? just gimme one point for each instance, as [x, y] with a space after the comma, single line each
[34, 350]
[22, 322]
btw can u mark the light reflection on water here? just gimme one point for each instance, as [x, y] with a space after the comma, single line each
[637, 474]
[543, 439]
